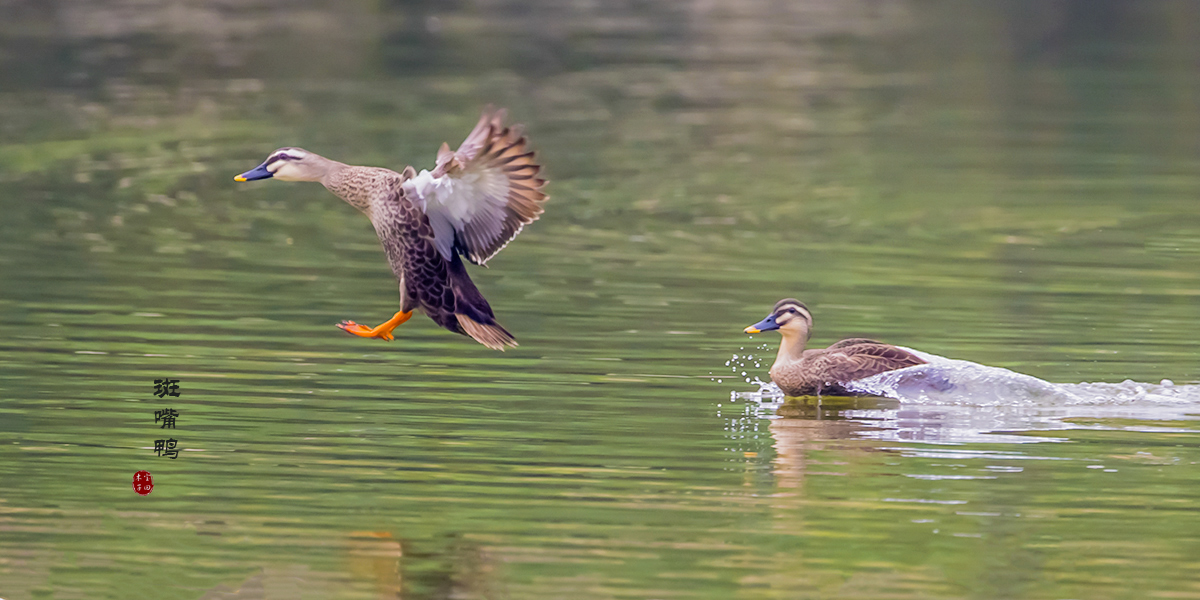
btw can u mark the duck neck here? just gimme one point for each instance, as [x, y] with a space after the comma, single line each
[355, 185]
[790, 349]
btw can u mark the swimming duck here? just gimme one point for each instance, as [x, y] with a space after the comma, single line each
[473, 203]
[800, 372]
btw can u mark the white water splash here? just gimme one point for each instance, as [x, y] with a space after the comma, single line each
[959, 382]
[742, 365]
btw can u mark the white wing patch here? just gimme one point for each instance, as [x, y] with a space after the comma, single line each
[471, 205]
[481, 196]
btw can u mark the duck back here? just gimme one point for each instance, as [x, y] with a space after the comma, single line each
[826, 371]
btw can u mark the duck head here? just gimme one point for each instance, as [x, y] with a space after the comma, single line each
[790, 317]
[290, 164]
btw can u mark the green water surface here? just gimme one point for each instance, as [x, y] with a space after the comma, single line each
[1012, 183]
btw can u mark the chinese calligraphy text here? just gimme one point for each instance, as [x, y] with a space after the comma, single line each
[162, 388]
[167, 416]
[166, 448]
[166, 387]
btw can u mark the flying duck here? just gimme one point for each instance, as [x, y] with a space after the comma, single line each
[472, 204]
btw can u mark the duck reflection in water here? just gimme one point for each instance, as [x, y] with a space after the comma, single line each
[806, 429]
[375, 564]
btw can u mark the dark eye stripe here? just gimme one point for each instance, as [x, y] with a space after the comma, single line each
[793, 312]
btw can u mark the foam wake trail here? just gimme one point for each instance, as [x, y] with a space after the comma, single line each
[959, 382]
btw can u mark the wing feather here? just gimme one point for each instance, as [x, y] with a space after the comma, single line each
[479, 197]
[852, 342]
[867, 358]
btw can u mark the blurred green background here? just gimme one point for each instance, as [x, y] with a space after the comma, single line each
[1012, 183]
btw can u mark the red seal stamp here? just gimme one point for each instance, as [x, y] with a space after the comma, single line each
[142, 483]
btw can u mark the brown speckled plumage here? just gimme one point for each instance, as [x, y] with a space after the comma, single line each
[474, 202]
[364, 188]
[801, 372]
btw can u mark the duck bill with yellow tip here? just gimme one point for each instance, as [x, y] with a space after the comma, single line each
[767, 324]
[259, 172]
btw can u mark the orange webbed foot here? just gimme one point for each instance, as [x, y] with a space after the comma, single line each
[383, 331]
[363, 330]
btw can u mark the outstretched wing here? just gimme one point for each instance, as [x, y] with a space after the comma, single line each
[479, 197]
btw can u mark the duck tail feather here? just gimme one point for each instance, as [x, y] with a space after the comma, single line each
[491, 335]
[473, 312]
